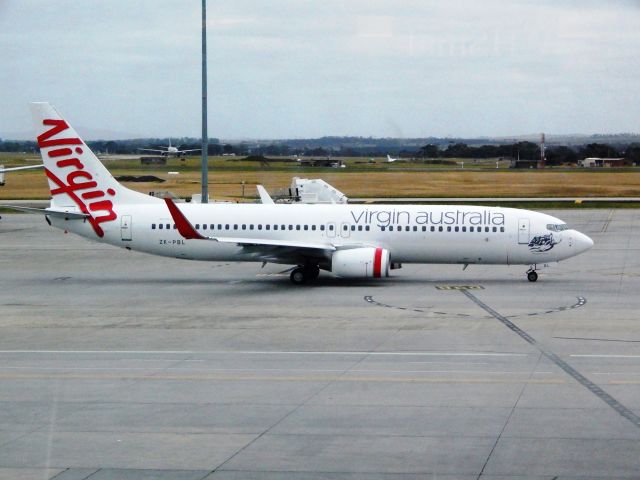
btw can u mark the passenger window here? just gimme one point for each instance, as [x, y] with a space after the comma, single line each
[204, 226]
[290, 227]
[502, 229]
[235, 226]
[486, 229]
[153, 226]
[415, 229]
[330, 227]
[440, 229]
[168, 226]
[383, 228]
[353, 228]
[495, 229]
[283, 227]
[367, 228]
[313, 227]
[275, 227]
[424, 229]
[471, 229]
[297, 227]
[219, 226]
[226, 227]
[359, 228]
[464, 229]
[244, 226]
[267, 226]
[345, 228]
[448, 229]
[197, 226]
[433, 229]
[306, 227]
[391, 228]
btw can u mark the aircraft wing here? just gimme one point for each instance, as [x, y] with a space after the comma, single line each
[192, 150]
[152, 150]
[48, 211]
[15, 169]
[254, 242]
[187, 231]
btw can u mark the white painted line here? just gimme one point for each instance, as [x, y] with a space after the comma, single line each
[615, 373]
[607, 356]
[254, 352]
[253, 370]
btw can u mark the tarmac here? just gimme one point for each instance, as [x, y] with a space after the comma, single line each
[121, 365]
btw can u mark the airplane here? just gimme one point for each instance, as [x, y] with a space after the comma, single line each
[15, 169]
[390, 159]
[170, 151]
[350, 241]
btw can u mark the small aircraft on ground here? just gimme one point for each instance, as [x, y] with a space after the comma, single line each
[170, 151]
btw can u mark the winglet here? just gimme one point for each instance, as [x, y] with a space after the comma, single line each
[265, 198]
[184, 227]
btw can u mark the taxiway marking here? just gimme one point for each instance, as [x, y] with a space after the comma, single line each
[572, 372]
[264, 352]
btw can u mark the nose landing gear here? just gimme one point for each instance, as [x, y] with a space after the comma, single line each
[532, 275]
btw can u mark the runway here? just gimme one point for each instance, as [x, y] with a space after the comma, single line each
[120, 365]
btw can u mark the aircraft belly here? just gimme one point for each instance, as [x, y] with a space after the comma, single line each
[451, 249]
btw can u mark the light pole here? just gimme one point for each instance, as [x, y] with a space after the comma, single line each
[205, 135]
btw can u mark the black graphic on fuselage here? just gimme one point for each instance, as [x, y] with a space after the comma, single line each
[543, 243]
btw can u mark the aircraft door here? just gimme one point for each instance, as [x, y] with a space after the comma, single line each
[523, 231]
[344, 230]
[125, 228]
[331, 230]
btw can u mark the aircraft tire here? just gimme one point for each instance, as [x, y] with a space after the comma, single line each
[298, 276]
[532, 276]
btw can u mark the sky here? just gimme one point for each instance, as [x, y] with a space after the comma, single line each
[310, 68]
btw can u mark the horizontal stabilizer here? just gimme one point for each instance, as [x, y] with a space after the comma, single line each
[48, 211]
[15, 169]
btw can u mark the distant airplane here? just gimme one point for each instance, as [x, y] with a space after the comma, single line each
[15, 169]
[390, 159]
[350, 241]
[170, 151]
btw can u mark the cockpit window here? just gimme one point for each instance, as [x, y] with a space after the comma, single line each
[557, 227]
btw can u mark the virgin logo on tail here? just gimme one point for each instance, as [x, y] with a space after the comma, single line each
[79, 185]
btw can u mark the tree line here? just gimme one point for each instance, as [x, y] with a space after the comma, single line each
[555, 154]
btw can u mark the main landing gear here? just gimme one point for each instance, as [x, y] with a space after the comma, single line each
[303, 274]
[532, 275]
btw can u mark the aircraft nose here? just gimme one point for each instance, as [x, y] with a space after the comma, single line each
[582, 242]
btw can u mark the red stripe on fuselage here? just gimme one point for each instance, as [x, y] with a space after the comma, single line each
[377, 263]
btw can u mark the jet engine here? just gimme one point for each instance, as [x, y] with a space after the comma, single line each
[365, 262]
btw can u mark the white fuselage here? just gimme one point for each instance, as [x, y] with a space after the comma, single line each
[411, 233]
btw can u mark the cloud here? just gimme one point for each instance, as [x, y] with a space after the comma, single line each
[298, 68]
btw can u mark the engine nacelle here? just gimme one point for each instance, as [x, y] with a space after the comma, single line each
[365, 262]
